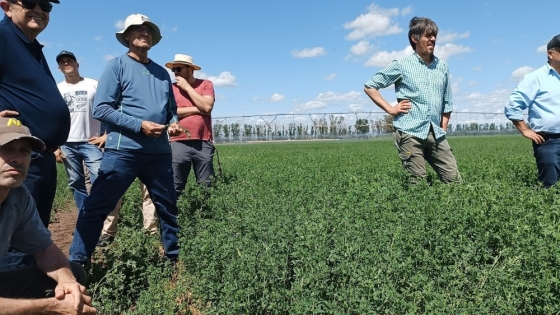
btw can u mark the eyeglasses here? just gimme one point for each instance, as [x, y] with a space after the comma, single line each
[142, 29]
[177, 69]
[45, 6]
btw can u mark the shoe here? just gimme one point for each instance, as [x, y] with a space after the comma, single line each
[105, 240]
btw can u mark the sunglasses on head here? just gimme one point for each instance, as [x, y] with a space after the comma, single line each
[142, 29]
[45, 6]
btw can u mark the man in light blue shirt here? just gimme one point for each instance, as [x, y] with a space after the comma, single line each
[424, 105]
[539, 93]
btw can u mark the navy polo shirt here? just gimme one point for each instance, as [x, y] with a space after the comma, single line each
[28, 87]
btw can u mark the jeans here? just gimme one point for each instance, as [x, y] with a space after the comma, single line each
[41, 182]
[197, 153]
[76, 154]
[118, 170]
[547, 156]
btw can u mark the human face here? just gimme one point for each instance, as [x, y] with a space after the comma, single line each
[67, 65]
[182, 71]
[139, 36]
[30, 21]
[425, 44]
[554, 58]
[15, 157]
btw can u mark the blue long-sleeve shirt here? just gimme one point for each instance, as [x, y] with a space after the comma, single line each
[539, 92]
[128, 93]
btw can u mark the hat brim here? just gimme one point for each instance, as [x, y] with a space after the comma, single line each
[155, 38]
[64, 55]
[36, 143]
[183, 63]
[54, 1]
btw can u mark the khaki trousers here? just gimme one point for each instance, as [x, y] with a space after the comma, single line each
[415, 152]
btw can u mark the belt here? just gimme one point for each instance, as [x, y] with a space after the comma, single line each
[549, 135]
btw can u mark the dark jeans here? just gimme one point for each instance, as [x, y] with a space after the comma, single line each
[547, 156]
[196, 153]
[117, 172]
[32, 283]
[41, 182]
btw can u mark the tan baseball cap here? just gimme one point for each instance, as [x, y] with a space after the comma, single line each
[12, 129]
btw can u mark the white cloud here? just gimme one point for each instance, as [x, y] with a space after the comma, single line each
[333, 97]
[109, 57]
[277, 97]
[308, 52]
[119, 25]
[97, 38]
[520, 72]
[361, 48]
[223, 79]
[492, 102]
[541, 49]
[455, 84]
[355, 108]
[383, 58]
[406, 11]
[377, 22]
[311, 105]
[448, 50]
[330, 77]
[447, 37]
[477, 68]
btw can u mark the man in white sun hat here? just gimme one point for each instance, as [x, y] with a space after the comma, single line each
[134, 99]
[195, 100]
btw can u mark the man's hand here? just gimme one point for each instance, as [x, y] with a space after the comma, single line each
[182, 83]
[530, 134]
[152, 129]
[59, 156]
[8, 113]
[76, 290]
[99, 141]
[402, 107]
[174, 129]
[66, 305]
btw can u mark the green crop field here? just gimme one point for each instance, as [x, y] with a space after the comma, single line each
[334, 228]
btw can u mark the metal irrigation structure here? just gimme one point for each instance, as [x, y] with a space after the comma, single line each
[352, 125]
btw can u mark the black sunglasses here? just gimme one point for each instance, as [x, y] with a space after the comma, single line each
[142, 29]
[45, 6]
[177, 69]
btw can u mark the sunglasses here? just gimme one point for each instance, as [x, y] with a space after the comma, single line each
[45, 6]
[177, 69]
[142, 29]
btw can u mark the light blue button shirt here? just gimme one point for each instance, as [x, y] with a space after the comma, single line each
[539, 92]
[426, 86]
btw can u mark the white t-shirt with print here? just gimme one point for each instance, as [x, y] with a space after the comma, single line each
[79, 98]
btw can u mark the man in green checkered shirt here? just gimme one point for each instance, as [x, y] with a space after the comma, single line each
[424, 105]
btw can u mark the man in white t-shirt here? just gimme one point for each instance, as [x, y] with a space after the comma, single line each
[82, 146]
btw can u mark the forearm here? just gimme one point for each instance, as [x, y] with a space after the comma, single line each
[203, 103]
[54, 264]
[376, 97]
[445, 120]
[520, 125]
[21, 306]
[183, 112]
[109, 116]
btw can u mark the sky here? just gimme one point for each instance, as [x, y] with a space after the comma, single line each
[310, 57]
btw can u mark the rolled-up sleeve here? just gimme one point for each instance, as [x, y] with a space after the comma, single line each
[385, 77]
[521, 98]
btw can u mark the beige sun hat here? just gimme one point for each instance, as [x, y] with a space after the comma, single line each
[181, 59]
[138, 19]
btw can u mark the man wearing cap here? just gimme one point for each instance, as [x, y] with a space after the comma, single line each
[28, 90]
[79, 92]
[51, 286]
[539, 92]
[195, 100]
[134, 99]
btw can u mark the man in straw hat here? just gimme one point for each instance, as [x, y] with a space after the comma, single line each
[539, 92]
[28, 91]
[134, 99]
[195, 100]
[50, 286]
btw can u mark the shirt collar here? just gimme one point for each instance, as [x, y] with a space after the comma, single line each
[18, 32]
[551, 70]
[434, 59]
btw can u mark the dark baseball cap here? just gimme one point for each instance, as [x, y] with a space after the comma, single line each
[554, 42]
[65, 53]
[11, 129]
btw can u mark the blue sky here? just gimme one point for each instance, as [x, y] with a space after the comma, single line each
[271, 57]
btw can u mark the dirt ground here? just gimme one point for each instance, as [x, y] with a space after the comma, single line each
[62, 229]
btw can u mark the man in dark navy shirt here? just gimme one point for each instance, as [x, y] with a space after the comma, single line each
[28, 90]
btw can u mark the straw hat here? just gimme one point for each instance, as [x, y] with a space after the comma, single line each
[138, 19]
[182, 60]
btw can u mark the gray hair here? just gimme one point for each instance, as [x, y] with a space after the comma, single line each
[419, 26]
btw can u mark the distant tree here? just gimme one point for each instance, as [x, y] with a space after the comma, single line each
[362, 126]
[247, 130]
[226, 130]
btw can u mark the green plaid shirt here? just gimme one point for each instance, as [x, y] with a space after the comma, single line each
[426, 86]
